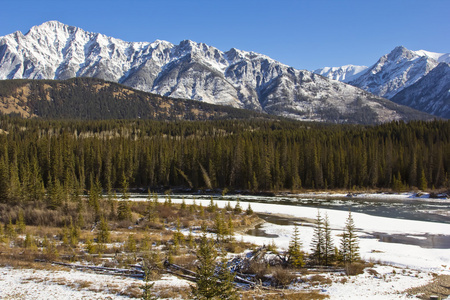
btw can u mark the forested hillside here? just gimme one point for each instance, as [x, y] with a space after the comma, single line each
[51, 160]
[93, 99]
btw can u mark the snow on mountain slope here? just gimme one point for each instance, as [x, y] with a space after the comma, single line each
[430, 94]
[394, 72]
[439, 57]
[397, 71]
[345, 73]
[189, 70]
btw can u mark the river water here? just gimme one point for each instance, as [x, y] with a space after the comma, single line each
[431, 210]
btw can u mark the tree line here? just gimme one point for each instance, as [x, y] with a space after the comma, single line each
[42, 160]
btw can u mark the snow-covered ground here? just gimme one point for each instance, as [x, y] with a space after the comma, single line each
[382, 283]
[46, 284]
[404, 265]
[61, 285]
[368, 226]
[408, 265]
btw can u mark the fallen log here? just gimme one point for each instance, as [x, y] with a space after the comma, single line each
[114, 271]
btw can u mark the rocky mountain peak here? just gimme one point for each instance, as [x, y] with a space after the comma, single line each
[189, 70]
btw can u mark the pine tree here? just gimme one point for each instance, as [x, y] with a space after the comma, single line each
[4, 182]
[10, 230]
[178, 237]
[183, 205]
[206, 287]
[103, 232]
[147, 287]
[237, 208]
[226, 288]
[29, 242]
[211, 207]
[295, 254]
[318, 241]
[50, 250]
[20, 223]
[74, 234]
[124, 211]
[190, 239]
[423, 183]
[328, 253]
[249, 210]
[219, 227]
[230, 229]
[349, 250]
[131, 244]
[95, 194]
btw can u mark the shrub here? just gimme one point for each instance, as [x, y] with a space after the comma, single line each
[354, 268]
[259, 269]
[282, 277]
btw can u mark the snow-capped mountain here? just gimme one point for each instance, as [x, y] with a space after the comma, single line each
[394, 72]
[399, 70]
[345, 73]
[430, 94]
[189, 70]
[439, 57]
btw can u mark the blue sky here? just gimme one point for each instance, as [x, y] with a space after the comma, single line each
[303, 34]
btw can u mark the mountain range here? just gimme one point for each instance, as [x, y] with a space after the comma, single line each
[399, 70]
[200, 72]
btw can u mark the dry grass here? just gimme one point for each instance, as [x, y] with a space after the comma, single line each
[440, 287]
[153, 239]
[356, 268]
[373, 272]
[319, 280]
[168, 292]
[285, 295]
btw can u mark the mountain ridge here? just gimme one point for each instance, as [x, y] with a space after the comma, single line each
[397, 71]
[430, 94]
[189, 71]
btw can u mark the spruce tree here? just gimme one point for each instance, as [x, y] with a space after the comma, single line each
[131, 243]
[10, 230]
[4, 182]
[103, 232]
[317, 245]
[95, 194]
[206, 287]
[20, 222]
[123, 211]
[249, 210]
[210, 286]
[237, 208]
[211, 207]
[226, 287]
[147, 287]
[219, 227]
[349, 250]
[295, 254]
[230, 229]
[423, 184]
[328, 253]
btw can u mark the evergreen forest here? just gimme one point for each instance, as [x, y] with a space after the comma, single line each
[50, 160]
